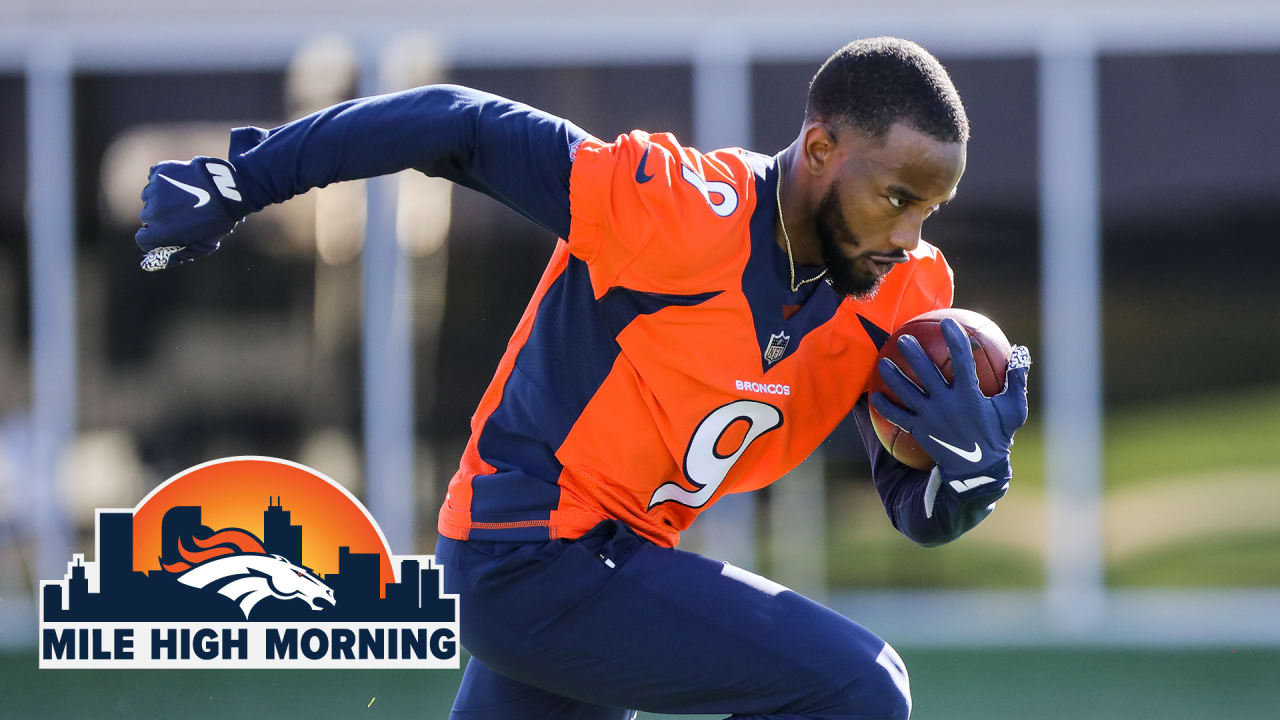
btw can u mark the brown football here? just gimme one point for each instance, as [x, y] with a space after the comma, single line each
[990, 355]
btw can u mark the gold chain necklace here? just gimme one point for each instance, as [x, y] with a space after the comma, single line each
[795, 287]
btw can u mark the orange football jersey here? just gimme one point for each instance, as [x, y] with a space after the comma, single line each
[664, 360]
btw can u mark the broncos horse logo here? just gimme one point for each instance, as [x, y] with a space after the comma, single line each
[233, 562]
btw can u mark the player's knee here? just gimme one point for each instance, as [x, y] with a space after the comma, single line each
[895, 670]
[894, 686]
[881, 690]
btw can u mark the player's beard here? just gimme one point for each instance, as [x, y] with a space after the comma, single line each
[833, 231]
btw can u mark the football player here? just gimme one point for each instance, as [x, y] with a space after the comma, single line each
[704, 322]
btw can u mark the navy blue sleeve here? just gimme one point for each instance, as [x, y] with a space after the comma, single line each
[516, 154]
[920, 505]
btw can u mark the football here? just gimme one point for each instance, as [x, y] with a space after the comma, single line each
[991, 352]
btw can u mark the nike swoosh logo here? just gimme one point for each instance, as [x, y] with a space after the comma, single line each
[966, 485]
[641, 177]
[202, 196]
[973, 455]
[931, 491]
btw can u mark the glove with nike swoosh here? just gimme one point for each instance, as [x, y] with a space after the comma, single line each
[187, 208]
[967, 433]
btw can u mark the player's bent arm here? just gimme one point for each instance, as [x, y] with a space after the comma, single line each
[920, 504]
[507, 150]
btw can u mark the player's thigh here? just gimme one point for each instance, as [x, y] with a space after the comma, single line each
[486, 695]
[616, 621]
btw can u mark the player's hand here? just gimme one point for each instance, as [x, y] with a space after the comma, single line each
[187, 208]
[967, 434]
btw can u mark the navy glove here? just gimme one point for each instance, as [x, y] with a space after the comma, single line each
[187, 208]
[967, 434]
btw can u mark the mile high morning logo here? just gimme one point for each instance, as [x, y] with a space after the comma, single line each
[247, 562]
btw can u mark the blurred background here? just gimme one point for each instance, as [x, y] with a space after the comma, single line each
[1118, 215]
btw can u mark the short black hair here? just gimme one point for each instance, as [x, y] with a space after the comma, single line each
[875, 82]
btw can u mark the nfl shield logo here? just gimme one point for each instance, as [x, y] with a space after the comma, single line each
[777, 346]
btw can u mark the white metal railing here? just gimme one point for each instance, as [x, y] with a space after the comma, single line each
[51, 208]
[1071, 321]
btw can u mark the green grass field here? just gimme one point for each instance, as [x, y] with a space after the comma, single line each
[1036, 684]
[1190, 488]
[1146, 443]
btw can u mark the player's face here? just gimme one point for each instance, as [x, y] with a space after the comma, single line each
[879, 197]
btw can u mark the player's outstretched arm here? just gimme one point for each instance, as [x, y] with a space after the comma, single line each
[936, 507]
[510, 151]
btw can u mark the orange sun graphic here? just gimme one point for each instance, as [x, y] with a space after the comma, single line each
[236, 492]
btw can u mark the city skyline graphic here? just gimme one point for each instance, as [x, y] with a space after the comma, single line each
[234, 495]
[202, 567]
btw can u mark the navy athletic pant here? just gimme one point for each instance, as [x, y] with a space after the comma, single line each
[594, 628]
